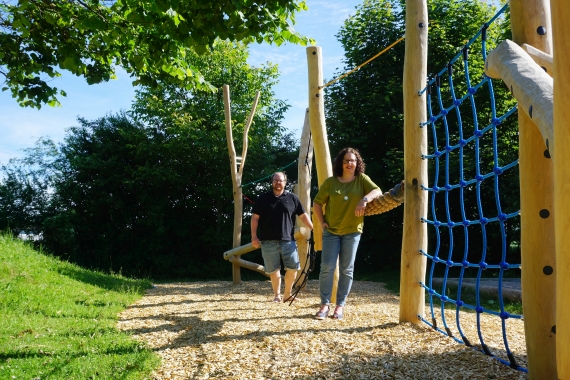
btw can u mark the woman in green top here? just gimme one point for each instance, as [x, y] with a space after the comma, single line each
[345, 195]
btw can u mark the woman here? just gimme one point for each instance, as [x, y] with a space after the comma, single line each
[345, 195]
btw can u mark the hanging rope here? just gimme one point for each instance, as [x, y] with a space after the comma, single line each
[307, 269]
[261, 179]
[307, 155]
[359, 66]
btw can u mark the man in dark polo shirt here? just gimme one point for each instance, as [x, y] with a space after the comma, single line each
[273, 228]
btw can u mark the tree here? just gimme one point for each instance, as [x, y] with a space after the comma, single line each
[25, 189]
[364, 110]
[149, 192]
[149, 39]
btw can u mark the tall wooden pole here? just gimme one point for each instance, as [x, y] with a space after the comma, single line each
[236, 183]
[318, 126]
[413, 265]
[320, 140]
[561, 55]
[303, 188]
[530, 23]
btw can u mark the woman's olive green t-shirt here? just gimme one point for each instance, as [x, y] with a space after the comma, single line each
[341, 200]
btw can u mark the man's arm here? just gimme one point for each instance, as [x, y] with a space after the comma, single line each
[254, 223]
[306, 220]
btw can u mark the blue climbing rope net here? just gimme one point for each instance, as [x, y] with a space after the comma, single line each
[465, 166]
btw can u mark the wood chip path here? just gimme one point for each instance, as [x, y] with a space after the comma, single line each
[219, 330]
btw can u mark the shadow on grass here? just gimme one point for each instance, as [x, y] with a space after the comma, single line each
[105, 281]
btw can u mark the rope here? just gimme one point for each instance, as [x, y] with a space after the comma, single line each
[307, 155]
[261, 179]
[307, 270]
[368, 61]
[443, 152]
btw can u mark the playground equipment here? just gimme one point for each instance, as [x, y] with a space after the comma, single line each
[302, 190]
[537, 27]
[543, 171]
[237, 174]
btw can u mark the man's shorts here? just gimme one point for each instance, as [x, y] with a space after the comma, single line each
[273, 251]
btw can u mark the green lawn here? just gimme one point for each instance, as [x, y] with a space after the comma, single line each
[58, 321]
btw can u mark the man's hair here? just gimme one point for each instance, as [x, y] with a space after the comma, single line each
[337, 165]
[282, 173]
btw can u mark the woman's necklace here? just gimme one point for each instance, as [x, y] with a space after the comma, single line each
[345, 185]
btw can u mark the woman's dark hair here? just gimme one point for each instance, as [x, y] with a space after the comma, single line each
[337, 164]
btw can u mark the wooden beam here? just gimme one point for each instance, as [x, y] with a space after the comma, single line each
[561, 54]
[245, 133]
[303, 188]
[236, 183]
[300, 233]
[320, 139]
[545, 61]
[239, 251]
[530, 23]
[317, 122]
[413, 265]
[529, 84]
[248, 265]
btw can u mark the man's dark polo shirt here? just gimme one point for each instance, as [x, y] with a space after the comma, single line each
[277, 215]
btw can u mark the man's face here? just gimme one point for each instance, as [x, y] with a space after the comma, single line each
[278, 183]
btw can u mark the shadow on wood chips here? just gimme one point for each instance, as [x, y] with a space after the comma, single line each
[220, 330]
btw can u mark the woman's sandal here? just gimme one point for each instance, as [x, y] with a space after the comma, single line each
[337, 315]
[277, 299]
[322, 314]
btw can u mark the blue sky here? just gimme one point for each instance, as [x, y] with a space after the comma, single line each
[21, 127]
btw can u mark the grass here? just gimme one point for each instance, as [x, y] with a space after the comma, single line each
[59, 320]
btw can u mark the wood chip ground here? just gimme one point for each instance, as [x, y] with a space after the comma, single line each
[220, 330]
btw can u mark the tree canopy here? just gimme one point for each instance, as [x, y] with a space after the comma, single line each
[151, 40]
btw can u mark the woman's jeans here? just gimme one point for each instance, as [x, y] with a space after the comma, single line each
[342, 248]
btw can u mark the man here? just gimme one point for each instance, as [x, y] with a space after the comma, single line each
[273, 229]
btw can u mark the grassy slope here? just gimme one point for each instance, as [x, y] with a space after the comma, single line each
[58, 321]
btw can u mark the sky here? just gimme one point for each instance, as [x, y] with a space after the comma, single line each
[21, 127]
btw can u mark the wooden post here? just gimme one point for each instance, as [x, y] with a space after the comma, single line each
[317, 122]
[236, 176]
[561, 55]
[303, 188]
[320, 139]
[413, 265]
[236, 184]
[538, 256]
